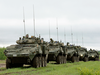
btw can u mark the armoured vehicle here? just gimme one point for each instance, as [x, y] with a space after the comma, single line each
[93, 55]
[71, 53]
[82, 53]
[28, 50]
[57, 52]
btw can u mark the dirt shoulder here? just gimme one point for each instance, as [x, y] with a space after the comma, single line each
[2, 65]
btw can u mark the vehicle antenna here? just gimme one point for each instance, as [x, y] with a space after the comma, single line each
[34, 20]
[77, 39]
[57, 28]
[64, 36]
[49, 29]
[82, 40]
[24, 21]
[71, 35]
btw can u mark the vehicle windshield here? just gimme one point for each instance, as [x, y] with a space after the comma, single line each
[92, 53]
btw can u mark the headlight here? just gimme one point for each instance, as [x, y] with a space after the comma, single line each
[81, 55]
[92, 55]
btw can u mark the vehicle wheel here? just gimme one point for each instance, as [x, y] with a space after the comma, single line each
[85, 59]
[8, 65]
[96, 59]
[45, 62]
[42, 61]
[36, 62]
[64, 59]
[74, 59]
[58, 59]
[77, 58]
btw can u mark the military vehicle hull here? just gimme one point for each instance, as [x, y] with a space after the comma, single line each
[26, 53]
[94, 58]
[93, 55]
[58, 55]
[72, 54]
[72, 57]
[82, 54]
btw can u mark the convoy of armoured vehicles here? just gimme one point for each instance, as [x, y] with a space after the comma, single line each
[37, 53]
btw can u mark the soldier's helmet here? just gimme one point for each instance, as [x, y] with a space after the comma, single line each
[27, 35]
[67, 43]
[23, 38]
[19, 38]
[51, 40]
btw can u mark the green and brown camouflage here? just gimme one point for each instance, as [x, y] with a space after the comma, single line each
[57, 52]
[29, 50]
[82, 53]
[93, 55]
[71, 53]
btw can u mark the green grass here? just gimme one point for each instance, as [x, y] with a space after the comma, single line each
[2, 61]
[86, 71]
[2, 56]
[77, 68]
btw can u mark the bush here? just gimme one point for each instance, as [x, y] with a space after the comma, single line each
[86, 71]
[2, 56]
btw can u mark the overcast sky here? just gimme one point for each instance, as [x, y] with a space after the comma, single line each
[81, 17]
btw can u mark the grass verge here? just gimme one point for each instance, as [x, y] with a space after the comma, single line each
[56, 69]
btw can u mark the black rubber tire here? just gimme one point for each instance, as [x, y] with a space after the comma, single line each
[8, 65]
[96, 59]
[36, 62]
[42, 61]
[74, 59]
[58, 59]
[45, 62]
[64, 59]
[77, 58]
[85, 59]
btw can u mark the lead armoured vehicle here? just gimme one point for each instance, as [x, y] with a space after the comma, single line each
[82, 53]
[71, 53]
[32, 51]
[57, 52]
[93, 55]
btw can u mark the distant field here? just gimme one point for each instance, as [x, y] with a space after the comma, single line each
[55, 69]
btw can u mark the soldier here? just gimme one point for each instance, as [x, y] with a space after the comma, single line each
[23, 38]
[67, 43]
[27, 36]
[51, 40]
